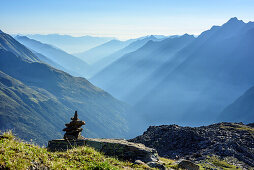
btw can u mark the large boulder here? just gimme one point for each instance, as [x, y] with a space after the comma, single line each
[185, 164]
[113, 147]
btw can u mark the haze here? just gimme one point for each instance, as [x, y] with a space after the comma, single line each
[118, 18]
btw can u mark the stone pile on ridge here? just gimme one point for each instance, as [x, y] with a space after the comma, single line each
[73, 129]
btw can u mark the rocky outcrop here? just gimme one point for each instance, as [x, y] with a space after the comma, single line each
[123, 149]
[185, 164]
[196, 143]
[251, 125]
[113, 147]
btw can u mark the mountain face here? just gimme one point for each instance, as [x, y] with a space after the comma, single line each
[241, 109]
[8, 43]
[48, 61]
[181, 83]
[135, 67]
[106, 61]
[69, 43]
[204, 77]
[24, 110]
[196, 144]
[72, 64]
[97, 53]
[37, 100]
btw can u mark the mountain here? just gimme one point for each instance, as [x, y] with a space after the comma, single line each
[37, 99]
[97, 53]
[74, 65]
[190, 85]
[202, 78]
[138, 65]
[8, 43]
[48, 61]
[69, 43]
[103, 63]
[241, 109]
[232, 142]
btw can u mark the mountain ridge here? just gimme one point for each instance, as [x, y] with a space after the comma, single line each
[74, 65]
[97, 53]
[70, 43]
[48, 97]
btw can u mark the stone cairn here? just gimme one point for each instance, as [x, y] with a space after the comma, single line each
[73, 129]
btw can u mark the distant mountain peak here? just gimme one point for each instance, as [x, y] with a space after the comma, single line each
[152, 37]
[21, 36]
[234, 20]
[187, 35]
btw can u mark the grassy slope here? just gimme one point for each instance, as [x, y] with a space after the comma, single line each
[15, 154]
[48, 97]
[23, 108]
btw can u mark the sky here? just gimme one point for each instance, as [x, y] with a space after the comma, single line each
[122, 19]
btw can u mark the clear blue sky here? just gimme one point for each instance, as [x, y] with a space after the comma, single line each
[119, 18]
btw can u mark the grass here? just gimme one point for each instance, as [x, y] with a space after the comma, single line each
[15, 154]
[238, 127]
[169, 163]
[214, 162]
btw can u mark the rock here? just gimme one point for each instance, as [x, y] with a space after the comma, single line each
[186, 164]
[139, 162]
[251, 125]
[73, 129]
[197, 143]
[113, 147]
[123, 149]
[3, 137]
[156, 165]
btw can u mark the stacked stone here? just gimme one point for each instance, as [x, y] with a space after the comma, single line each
[73, 129]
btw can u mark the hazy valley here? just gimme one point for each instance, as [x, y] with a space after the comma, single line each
[122, 87]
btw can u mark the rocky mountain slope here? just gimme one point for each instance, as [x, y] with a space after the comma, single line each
[37, 100]
[234, 141]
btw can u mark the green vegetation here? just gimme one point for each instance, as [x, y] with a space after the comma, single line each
[36, 104]
[169, 163]
[15, 154]
[215, 162]
[239, 127]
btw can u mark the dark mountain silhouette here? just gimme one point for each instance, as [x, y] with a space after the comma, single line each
[241, 109]
[106, 61]
[69, 43]
[74, 65]
[97, 53]
[138, 65]
[203, 78]
[188, 83]
[37, 99]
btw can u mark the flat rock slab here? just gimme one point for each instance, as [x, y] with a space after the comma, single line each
[112, 147]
